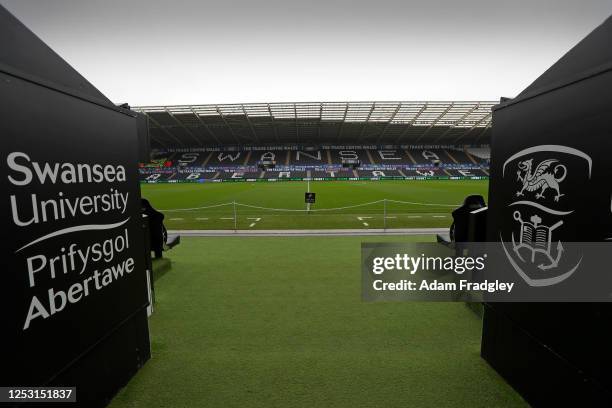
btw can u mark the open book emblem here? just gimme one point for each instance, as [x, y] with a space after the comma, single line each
[536, 238]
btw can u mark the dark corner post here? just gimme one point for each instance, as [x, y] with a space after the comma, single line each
[551, 167]
[74, 291]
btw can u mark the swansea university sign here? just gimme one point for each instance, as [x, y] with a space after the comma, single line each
[73, 279]
[74, 258]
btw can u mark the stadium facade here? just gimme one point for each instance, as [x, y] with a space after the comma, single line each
[297, 141]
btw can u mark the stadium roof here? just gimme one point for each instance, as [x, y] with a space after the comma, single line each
[341, 123]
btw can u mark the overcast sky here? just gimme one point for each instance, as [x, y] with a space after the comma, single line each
[232, 51]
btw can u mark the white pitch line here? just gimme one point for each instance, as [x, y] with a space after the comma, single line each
[365, 224]
[414, 216]
[226, 218]
[391, 217]
[255, 221]
[201, 218]
[176, 219]
[439, 216]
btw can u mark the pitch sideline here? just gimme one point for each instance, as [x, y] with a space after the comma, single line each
[307, 232]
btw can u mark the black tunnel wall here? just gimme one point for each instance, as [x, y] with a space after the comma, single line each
[557, 354]
[50, 114]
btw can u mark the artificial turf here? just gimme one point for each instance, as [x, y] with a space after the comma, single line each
[273, 205]
[279, 322]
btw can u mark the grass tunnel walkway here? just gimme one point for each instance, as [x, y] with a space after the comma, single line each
[278, 322]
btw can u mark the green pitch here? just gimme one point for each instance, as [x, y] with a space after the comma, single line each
[339, 204]
[279, 322]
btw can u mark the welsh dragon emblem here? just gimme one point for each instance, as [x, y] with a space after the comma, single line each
[544, 177]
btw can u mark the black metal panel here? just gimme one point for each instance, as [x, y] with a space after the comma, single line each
[541, 375]
[144, 139]
[556, 354]
[59, 147]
